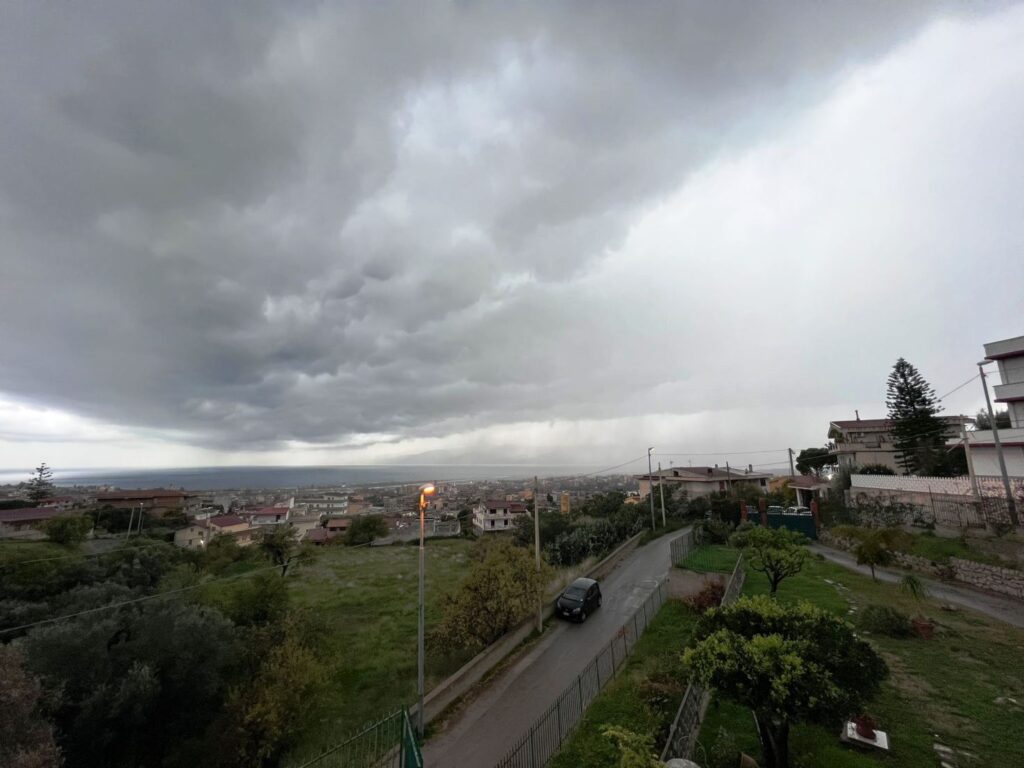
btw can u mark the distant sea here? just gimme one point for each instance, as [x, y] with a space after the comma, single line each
[223, 478]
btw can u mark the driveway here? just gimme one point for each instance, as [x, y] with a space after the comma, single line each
[488, 726]
[998, 607]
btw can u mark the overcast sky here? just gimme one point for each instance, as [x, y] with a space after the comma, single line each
[317, 233]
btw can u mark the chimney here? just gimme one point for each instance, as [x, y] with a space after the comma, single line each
[750, 468]
[858, 414]
[711, 471]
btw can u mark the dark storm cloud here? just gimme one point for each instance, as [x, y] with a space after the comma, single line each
[298, 221]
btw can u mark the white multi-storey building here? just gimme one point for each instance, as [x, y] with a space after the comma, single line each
[1009, 356]
[495, 516]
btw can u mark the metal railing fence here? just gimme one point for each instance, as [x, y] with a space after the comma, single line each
[683, 733]
[388, 743]
[538, 745]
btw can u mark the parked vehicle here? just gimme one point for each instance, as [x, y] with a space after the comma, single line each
[776, 511]
[579, 599]
[798, 511]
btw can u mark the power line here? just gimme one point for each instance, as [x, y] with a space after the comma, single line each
[609, 469]
[955, 389]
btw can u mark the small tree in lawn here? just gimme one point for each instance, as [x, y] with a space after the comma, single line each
[918, 432]
[776, 552]
[875, 550]
[40, 485]
[788, 664]
[280, 544]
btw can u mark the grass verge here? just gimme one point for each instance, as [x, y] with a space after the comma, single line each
[643, 698]
[956, 689]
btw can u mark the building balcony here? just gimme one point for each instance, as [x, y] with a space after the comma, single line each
[1008, 393]
[998, 350]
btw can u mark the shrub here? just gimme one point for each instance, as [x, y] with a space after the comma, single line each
[709, 597]
[738, 539]
[716, 531]
[884, 620]
[725, 752]
[67, 530]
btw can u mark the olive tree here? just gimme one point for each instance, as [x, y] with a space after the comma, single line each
[788, 664]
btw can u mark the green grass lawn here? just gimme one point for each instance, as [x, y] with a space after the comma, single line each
[940, 549]
[643, 698]
[711, 558]
[943, 690]
[367, 598]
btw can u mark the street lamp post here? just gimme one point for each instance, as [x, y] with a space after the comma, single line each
[1011, 506]
[650, 485]
[425, 490]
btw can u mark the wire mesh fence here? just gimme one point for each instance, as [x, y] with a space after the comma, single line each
[388, 743]
[537, 746]
[682, 546]
[683, 733]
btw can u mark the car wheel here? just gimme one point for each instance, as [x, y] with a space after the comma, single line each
[583, 616]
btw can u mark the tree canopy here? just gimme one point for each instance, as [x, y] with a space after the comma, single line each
[788, 664]
[918, 432]
[982, 421]
[500, 590]
[280, 544]
[814, 461]
[365, 529]
[778, 553]
[68, 530]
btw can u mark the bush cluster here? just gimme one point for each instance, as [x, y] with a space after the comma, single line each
[884, 620]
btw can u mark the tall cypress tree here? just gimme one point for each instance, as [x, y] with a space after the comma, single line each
[918, 432]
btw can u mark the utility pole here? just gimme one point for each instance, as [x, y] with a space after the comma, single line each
[728, 476]
[650, 486]
[1011, 506]
[536, 552]
[661, 490]
[792, 472]
[970, 461]
[131, 519]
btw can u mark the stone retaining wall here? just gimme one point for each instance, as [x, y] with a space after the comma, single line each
[1005, 581]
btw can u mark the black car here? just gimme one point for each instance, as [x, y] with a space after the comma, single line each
[579, 599]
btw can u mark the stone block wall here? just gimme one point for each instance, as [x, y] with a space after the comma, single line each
[1005, 581]
[991, 577]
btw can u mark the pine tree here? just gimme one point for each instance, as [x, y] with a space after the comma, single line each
[918, 432]
[41, 485]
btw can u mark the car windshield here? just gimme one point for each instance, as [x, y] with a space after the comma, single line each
[574, 593]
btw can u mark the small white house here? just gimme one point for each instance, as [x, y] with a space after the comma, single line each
[495, 516]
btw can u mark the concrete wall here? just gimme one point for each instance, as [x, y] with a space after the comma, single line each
[458, 684]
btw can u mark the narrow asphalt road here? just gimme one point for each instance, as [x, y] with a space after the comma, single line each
[1002, 608]
[490, 725]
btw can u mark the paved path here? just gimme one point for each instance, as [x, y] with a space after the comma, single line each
[1001, 608]
[491, 724]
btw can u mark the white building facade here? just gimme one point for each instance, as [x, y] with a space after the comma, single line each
[1009, 357]
[497, 516]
